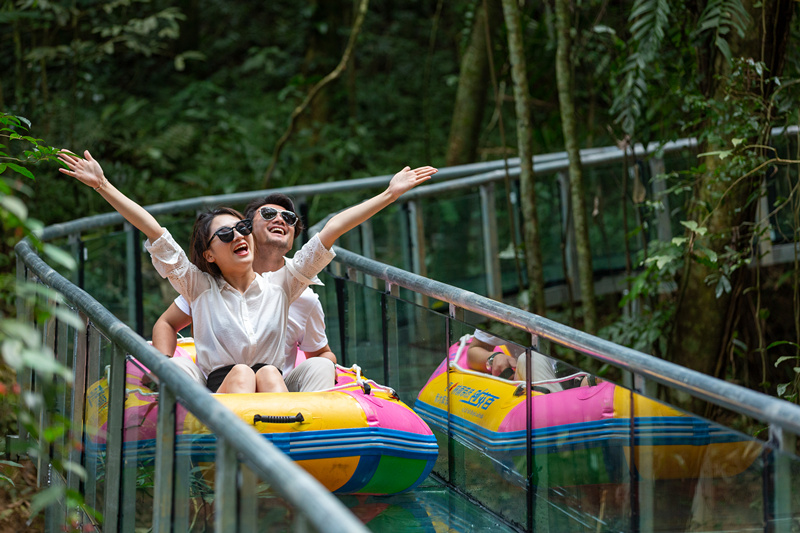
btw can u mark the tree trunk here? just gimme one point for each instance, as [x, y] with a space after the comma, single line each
[703, 333]
[567, 105]
[533, 250]
[473, 85]
[323, 39]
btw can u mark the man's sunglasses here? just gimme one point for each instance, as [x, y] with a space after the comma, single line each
[268, 213]
[225, 233]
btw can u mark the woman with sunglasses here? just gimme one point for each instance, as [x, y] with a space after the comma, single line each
[240, 316]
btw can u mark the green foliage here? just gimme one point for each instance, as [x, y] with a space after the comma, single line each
[791, 389]
[649, 306]
[649, 23]
[731, 178]
[21, 344]
[662, 55]
[719, 18]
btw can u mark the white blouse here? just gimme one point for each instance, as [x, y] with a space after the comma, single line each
[305, 329]
[231, 327]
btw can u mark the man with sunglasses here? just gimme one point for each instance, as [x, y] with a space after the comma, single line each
[274, 224]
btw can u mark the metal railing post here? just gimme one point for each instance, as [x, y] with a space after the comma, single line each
[80, 351]
[225, 493]
[43, 458]
[641, 454]
[133, 276]
[456, 457]
[663, 219]
[491, 258]
[76, 249]
[114, 438]
[92, 376]
[417, 245]
[248, 500]
[571, 253]
[165, 462]
[62, 356]
[780, 503]
[182, 489]
[24, 377]
[342, 308]
[368, 247]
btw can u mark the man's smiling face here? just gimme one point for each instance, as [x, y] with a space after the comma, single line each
[273, 233]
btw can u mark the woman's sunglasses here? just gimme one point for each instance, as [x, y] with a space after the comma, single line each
[225, 233]
[268, 213]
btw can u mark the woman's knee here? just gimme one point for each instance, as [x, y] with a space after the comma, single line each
[241, 378]
[269, 379]
[240, 371]
[269, 372]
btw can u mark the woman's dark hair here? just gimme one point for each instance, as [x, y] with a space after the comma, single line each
[275, 199]
[201, 233]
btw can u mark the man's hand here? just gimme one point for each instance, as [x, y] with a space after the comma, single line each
[501, 363]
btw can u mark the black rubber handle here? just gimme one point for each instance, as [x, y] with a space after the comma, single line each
[278, 419]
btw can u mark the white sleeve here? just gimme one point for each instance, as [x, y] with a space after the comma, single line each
[314, 336]
[171, 262]
[183, 305]
[302, 269]
[488, 338]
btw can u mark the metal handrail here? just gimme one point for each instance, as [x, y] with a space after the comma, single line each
[457, 177]
[323, 510]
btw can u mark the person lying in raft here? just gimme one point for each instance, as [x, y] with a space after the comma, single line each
[482, 356]
[275, 226]
[239, 316]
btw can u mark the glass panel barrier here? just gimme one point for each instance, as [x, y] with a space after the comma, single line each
[104, 268]
[779, 190]
[786, 486]
[693, 474]
[157, 293]
[196, 488]
[453, 403]
[457, 259]
[390, 236]
[138, 447]
[603, 457]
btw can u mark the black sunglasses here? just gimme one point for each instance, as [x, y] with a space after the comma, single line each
[225, 233]
[268, 213]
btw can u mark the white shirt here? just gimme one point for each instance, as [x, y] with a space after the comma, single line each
[231, 327]
[306, 329]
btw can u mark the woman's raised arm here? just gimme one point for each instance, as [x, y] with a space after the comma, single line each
[348, 219]
[89, 172]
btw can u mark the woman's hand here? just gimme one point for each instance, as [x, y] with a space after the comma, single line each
[87, 170]
[348, 219]
[407, 179]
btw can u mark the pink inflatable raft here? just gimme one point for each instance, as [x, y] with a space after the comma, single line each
[585, 432]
